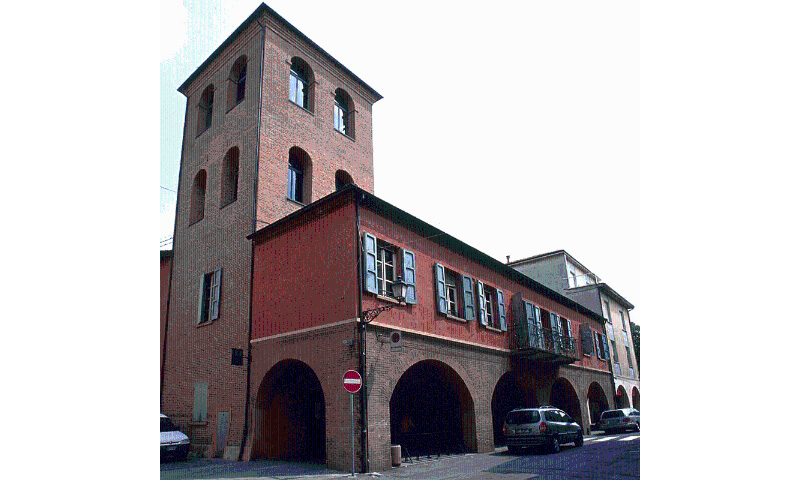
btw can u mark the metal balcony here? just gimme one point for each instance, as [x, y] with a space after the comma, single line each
[548, 346]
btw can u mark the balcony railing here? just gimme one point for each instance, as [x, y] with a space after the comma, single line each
[548, 345]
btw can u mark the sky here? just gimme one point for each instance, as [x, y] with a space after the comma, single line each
[513, 127]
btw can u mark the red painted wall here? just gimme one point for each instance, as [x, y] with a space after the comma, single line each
[305, 275]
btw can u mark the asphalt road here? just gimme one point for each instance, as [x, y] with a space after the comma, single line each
[606, 457]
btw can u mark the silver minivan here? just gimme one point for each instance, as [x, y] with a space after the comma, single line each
[620, 419]
[541, 426]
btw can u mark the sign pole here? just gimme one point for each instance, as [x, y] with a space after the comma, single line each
[352, 436]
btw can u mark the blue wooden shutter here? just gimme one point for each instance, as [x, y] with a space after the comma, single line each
[481, 303]
[441, 299]
[555, 329]
[469, 298]
[370, 263]
[216, 286]
[568, 343]
[501, 310]
[409, 275]
[586, 339]
[537, 313]
[605, 348]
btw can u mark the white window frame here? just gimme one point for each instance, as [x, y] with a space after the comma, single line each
[384, 284]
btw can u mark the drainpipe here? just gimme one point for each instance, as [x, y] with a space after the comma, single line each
[362, 346]
[253, 250]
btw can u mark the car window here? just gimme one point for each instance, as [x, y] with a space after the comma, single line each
[552, 416]
[167, 425]
[522, 417]
[567, 418]
[612, 414]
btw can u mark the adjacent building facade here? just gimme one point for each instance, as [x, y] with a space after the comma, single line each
[562, 272]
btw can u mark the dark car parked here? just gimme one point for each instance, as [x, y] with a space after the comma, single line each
[541, 426]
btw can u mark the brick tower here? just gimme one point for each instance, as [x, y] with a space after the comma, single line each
[273, 122]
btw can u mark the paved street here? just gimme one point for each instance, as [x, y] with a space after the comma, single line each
[614, 457]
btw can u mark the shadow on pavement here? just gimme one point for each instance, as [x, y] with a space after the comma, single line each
[217, 468]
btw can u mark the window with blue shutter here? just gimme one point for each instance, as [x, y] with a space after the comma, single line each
[370, 263]
[469, 299]
[410, 276]
[441, 299]
[606, 353]
[587, 339]
[481, 302]
[501, 310]
[568, 344]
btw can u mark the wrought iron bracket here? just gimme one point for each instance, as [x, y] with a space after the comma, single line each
[368, 316]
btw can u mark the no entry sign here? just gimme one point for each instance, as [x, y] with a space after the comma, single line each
[352, 381]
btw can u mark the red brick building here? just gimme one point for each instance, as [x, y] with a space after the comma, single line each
[477, 339]
[273, 122]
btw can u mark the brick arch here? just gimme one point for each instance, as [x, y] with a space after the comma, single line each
[623, 397]
[597, 401]
[564, 396]
[291, 413]
[397, 370]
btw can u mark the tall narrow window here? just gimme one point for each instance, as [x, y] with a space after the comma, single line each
[343, 113]
[236, 82]
[210, 296]
[205, 109]
[301, 80]
[230, 177]
[198, 203]
[299, 186]
[451, 292]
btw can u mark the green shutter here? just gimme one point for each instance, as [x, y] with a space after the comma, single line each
[216, 287]
[501, 310]
[481, 303]
[409, 275]
[469, 299]
[370, 263]
[537, 314]
[441, 299]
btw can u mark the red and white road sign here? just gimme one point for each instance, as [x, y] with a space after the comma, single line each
[352, 381]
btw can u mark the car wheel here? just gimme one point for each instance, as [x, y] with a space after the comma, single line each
[579, 440]
[556, 446]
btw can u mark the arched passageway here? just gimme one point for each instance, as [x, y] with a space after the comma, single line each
[507, 396]
[598, 402]
[431, 411]
[563, 396]
[635, 398]
[622, 398]
[290, 416]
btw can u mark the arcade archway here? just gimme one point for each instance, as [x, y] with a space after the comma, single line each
[431, 411]
[507, 396]
[635, 398]
[597, 401]
[622, 398]
[563, 396]
[290, 414]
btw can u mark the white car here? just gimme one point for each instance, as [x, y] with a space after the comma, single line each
[174, 443]
[620, 419]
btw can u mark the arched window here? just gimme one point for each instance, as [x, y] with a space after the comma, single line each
[236, 82]
[299, 188]
[301, 84]
[198, 204]
[343, 179]
[205, 109]
[230, 177]
[343, 113]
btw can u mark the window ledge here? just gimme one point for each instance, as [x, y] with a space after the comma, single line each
[295, 202]
[457, 319]
[204, 131]
[300, 107]
[196, 221]
[494, 329]
[229, 203]
[204, 324]
[389, 299]
[345, 135]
